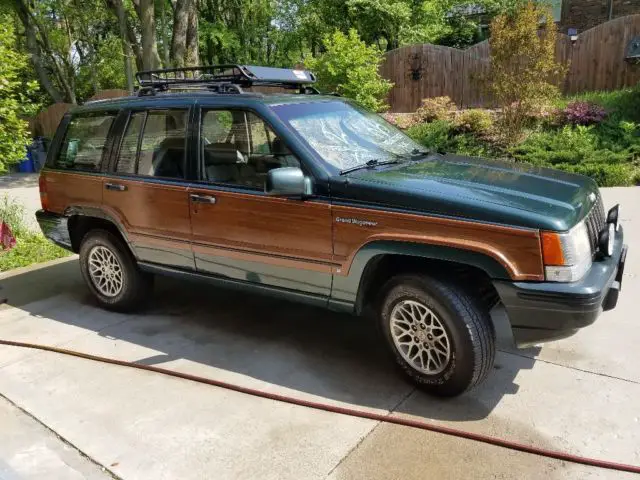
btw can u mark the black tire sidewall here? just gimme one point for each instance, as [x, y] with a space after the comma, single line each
[105, 239]
[458, 373]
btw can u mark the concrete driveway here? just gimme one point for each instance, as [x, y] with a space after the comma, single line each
[73, 418]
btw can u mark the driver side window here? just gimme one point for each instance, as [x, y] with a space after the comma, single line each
[239, 148]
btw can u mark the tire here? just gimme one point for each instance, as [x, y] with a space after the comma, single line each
[437, 307]
[135, 285]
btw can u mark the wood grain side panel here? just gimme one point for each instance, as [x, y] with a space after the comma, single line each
[65, 189]
[518, 250]
[264, 225]
[147, 208]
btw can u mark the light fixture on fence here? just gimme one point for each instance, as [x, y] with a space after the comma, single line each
[573, 34]
[632, 54]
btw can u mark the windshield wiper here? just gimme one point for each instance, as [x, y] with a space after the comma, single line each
[416, 152]
[369, 164]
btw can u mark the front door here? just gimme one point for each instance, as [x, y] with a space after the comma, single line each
[241, 233]
[148, 193]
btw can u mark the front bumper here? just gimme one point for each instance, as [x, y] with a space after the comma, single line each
[544, 311]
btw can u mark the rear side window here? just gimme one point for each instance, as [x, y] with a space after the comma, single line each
[84, 142]
[161, 150]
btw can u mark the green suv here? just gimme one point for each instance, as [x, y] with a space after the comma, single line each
[311, 198]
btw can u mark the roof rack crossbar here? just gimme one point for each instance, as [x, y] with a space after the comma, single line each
[220, 78]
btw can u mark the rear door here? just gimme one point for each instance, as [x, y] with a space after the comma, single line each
[240, 232]
[147, 190]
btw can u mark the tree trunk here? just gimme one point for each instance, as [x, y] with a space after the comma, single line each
[35, 45]
[164, 35]
[127, 33]
[150, 57]
[193, 53]
[36, 59]
[126, 46]
[180, 26]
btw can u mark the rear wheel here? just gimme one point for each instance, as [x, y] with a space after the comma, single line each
[111, 272]
[438, 334]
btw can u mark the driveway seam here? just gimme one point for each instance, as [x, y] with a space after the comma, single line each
[377, 424]
[571, 368]
[62, 439]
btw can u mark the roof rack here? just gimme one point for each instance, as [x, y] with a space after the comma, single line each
[224, 79]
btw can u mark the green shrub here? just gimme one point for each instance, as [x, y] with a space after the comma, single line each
[436, 108]
[31, 247]
[349, 67]
[475, 120]
[14, 133]
[442, 136]
[625, 103]
[615, 175]
[434, 135]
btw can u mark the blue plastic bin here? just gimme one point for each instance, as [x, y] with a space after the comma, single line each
[27, 166]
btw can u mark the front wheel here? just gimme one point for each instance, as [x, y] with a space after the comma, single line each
[438, 334]
[111, 272]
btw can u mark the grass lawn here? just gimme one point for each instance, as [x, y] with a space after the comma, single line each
[31, 246]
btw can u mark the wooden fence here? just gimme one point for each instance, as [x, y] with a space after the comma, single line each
[595, 62]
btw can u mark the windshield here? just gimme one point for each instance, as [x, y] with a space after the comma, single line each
[344, 135]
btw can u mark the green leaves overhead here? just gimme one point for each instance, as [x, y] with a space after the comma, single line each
[14, 101]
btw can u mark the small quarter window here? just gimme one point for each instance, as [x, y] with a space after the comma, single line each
[84, 142]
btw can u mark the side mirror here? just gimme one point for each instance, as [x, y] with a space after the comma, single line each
[288, 182]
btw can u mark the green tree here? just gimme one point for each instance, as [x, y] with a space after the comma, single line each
[14, 91]
[349, 67]
[524, 71]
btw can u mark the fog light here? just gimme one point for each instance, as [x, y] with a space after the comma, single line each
[614, 215]
[605, 239]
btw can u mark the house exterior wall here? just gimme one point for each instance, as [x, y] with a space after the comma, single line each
[586, 14]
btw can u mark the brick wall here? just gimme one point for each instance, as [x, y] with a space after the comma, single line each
[585, 14]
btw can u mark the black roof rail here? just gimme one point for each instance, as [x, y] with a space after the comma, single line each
[224, 79]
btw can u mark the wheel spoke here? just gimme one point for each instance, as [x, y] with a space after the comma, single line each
[420, 337]
[105, 271]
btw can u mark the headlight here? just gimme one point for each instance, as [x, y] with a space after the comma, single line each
[567, 256]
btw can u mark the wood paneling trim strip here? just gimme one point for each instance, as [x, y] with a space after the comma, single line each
[518, 250]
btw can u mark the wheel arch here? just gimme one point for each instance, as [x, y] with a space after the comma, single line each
[377, 261]
[81, 220]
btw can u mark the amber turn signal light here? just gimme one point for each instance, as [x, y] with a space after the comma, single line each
[552, 249]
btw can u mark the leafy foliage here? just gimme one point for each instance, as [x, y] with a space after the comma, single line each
[583, 113]
[14, 105]
[524, 71]
[349, 67]
[31, 247]
[608, 152]
[436, 108]
[443, 136]
[475, 120]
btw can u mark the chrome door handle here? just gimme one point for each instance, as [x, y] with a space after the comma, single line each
[202, 198]
[115, 186]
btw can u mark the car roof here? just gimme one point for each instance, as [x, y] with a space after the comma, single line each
[176, 99]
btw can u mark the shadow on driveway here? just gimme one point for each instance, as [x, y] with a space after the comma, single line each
[310, 350]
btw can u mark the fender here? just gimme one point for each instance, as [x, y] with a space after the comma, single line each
[345, 289]
[98, 212]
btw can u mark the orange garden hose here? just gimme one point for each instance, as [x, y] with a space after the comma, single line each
[478, 437]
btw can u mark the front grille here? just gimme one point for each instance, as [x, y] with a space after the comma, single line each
[595, 221]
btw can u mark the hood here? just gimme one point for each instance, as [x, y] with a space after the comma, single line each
[484, 190]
